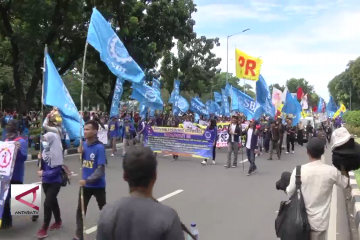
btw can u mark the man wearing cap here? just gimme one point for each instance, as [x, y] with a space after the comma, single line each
[317, 181]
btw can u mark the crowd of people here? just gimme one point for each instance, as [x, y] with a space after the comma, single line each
[258, 137]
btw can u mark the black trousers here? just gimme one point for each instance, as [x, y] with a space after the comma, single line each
[213, 153]
[328, 136]
[100, 196]
[51, 205]
[300, 138]
[290, 140]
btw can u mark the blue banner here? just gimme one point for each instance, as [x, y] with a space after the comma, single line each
[57, 95]
[143, 111]
[242, 102]
[179, 141]
[147, 95]
[112, 51]
[263, 97]
[118, 91]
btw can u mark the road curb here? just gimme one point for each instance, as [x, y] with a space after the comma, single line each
[355, 200]
[69, 152]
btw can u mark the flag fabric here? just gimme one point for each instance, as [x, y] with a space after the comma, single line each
[228, 89]
[263, 97]
[284, 94]
[276, 97]
[247, 67]
[303, 114]
[183, 105]
[304, 102]
[118, 91]
[57, 95]
[112, 51]
[156, 84]
[292, 107]
[331, 106]
[198, 107]
[196, 117]
[299, 93]
[321, 106]
[242, 102]
[147, 95]
[225, 103]
[217, 97]
[341, 109]
[143, 111]
[176, 91]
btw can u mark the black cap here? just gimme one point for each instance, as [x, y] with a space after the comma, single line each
[315, 147]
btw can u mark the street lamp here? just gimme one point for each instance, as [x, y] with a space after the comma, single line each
[227, 51]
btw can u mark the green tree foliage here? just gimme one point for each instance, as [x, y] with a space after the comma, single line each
[147, 29]
[276, 85]
[345, 84]
[195, 65]
[293, 84]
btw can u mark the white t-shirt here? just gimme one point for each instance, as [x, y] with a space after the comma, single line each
[233, 128]
[317, 182]
[249, 137]
[102, 134]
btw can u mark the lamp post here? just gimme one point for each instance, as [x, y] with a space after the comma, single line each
[227, 51]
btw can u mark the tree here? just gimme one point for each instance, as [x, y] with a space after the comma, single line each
[347, 84]
[293, 84]
[195, 65]
[147, 29]
[27, 26]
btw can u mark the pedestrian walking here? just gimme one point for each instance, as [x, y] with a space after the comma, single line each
[51, 166]
[251, 138]
[93, 173]
[290, 137]
[274, 140]
[113, 134]
[234, 131]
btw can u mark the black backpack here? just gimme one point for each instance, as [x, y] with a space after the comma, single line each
[64, 178]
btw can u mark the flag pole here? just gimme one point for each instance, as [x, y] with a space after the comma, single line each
[81, 127]
[42, 100]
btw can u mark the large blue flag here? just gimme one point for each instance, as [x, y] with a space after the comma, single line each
[156, 86]
[242, 102]
[225, 103]
[143, 111]
[228, 89]
[118, 91]
[263, 97]
[57, 95]
[183, 105]
[147, 95]
[112, 51]
[176, 92]
[217, 97]
[331, 107]
[198, 107]
[293, 107]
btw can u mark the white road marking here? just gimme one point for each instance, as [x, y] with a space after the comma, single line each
[167, 155]
[333, 216]
[94, 228]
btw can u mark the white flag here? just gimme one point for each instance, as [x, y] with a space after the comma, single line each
[304, 102]
[283, 97]
[276, 97]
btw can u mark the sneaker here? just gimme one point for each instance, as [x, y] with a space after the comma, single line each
[292, 152]
[269, 159]
[227, 166]
[213, 162]
[75, 238]
[55, 226]
[204, 162]
[41, 234]
[233, 166]
[112, 155]
[287, 153]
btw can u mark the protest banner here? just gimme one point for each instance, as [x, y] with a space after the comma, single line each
[195, 143]
[223, 136]
[7, 156]
[247, 67]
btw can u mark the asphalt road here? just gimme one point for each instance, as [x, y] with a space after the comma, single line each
[225, 203]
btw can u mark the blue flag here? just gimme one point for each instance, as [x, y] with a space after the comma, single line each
[242, 102]
[225, 103]
[147, 95]
[156, 84]
[143, 110]
[112, 51]
[293, 107]
[263, 97]
[217, 97]
[183, 105]
[118, 91]
[331, 107]
[196, 117]
[198, 107]
[228, 89]
[176, 91]
[57, 95]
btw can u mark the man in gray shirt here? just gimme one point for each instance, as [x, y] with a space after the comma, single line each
[139, 216]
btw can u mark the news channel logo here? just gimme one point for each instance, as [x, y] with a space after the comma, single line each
[25, 199]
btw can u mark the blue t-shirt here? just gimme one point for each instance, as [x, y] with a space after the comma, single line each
[114, 129]
[93, 156]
